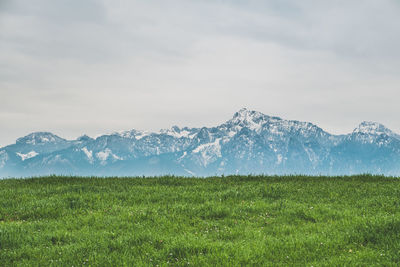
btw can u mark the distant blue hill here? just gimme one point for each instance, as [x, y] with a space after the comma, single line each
[249, 143]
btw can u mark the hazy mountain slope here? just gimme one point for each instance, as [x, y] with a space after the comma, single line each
[250, 142]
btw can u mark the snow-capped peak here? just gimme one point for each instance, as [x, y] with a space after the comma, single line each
[177, 132]
[39, 138]
[251, 119]
[373, 128]
[133, 134]
[246, 115]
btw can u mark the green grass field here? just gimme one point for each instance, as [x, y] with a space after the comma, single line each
[269, 221]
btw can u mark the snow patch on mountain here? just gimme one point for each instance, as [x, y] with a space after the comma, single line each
[181, 157]
[27, 155]
[209, 152]
[214, 146]
[104, 155]
[279, 159]
[3, 158]
[88, 153]
[232, 134]
[176, 134]
[141, 135]
[133, 134]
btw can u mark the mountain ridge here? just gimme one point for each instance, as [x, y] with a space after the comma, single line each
[249, 142]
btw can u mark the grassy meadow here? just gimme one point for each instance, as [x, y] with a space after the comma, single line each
[221, 221]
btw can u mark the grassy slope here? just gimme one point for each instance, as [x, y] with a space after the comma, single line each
[215, 221]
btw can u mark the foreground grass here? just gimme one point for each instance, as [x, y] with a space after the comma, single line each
[310, 221]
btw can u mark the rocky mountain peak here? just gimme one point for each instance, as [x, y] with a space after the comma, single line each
[39, 138]
[251, 119]
[372, 128]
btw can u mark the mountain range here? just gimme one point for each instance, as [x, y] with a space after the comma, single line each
[249, 143]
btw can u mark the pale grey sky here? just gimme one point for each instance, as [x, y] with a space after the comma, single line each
[94, 67]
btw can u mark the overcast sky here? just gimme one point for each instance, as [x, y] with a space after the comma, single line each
[94, 67]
